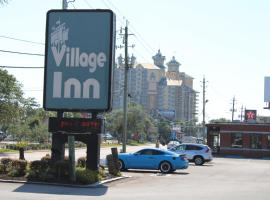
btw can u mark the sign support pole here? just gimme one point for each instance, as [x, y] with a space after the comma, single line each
[71, 151]
[71, 139]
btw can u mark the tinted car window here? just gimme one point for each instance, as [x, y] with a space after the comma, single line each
[193, 147]
[157, 152]
[150, 152]
[147, 152]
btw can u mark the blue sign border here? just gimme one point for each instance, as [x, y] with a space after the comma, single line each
[111, 60]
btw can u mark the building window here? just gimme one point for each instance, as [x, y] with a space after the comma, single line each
[255, 141]
[237, 140]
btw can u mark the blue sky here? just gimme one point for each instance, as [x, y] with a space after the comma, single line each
[228, 41]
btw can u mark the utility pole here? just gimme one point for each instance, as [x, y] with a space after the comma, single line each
[241, 115]
[126, 68]
[124, 136]
[203, 121]
[233, 109]
[124, 142]
[71, 138]
[64, 4]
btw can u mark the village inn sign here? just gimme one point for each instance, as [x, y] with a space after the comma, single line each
[79, 60]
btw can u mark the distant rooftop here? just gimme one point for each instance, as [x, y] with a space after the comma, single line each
[149, 66]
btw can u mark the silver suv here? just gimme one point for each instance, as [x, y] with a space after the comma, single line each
[197, 153]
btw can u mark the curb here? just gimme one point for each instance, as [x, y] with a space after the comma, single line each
[93, 185]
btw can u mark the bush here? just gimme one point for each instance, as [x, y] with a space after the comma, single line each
[2, 168]
[39, 165]
[86, 176]
[47, 158]
[81, 162]
[62, 168]
[6, 161]
[6, 164]
[40, 170]
[14, 173]
[102, 172]
[17, 168]
[22, 144]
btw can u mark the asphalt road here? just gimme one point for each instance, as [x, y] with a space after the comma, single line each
[224, 178]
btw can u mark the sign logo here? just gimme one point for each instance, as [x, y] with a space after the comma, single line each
[78, 61]
[72, 55]
[59, 36]
[250, 115]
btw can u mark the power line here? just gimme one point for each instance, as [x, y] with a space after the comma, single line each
[72, 5]
[139, 38]
[106, 4]
[24, 53]
[21, 40]
[32, 90]
[89, 5]
[16, 67]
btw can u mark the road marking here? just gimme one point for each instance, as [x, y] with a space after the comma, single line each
[160, 174]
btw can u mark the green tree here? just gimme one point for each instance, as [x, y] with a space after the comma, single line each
[220, 120]
[11, 99]
[139, 123]
[21, 117]
[164, 130]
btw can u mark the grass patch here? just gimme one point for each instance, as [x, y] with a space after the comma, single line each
[135, 143]
[110, 145]
[8, 151]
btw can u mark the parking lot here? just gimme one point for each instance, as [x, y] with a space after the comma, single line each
[224, 178]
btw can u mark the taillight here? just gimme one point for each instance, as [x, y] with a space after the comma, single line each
[207, 150]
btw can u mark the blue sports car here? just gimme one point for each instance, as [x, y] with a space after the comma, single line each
[153, 158]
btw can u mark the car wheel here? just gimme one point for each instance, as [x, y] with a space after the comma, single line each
[165, 167]
[198, 160]
[121, 165]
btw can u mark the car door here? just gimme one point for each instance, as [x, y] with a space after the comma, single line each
[191, 151]
[141, 159]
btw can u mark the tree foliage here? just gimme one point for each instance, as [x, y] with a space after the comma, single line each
[220, 120]
[164, 130]
[20, 117]
[11, 99]
[139, 123]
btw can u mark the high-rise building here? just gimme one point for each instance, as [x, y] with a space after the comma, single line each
[157, 89]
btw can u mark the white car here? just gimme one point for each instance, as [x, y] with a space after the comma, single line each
[173, 144]
[197, 153]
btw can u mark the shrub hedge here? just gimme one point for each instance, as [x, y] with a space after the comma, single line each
[81, 162]
[17, 168]
[86, 176]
